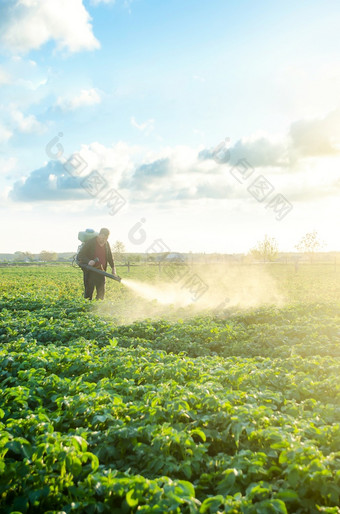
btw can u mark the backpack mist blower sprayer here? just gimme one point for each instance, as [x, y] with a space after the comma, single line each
[100, 271]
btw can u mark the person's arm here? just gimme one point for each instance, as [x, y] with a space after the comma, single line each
[110, 259]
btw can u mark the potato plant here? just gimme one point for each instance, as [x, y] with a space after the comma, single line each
[237, 412]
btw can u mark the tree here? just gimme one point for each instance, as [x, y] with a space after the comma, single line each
[19, 256]
[309, 244]
[28, 256]
[265, 250]
[23, 256]
[118, 250]
[48, 256]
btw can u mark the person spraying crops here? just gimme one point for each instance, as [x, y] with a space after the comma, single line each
[95, 252]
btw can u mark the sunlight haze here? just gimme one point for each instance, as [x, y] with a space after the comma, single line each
[213, 122]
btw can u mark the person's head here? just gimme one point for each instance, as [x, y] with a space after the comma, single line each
[103, 236]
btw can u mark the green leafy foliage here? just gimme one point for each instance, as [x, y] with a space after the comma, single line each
[238, 413]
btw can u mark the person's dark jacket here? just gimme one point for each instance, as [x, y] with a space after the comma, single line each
[88, 250]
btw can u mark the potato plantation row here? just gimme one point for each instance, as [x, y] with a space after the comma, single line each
[234, 412]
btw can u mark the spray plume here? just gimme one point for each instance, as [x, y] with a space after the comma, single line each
[226, 287]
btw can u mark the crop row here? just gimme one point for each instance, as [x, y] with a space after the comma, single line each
[233, 413]
[268, 331]
[74, 413]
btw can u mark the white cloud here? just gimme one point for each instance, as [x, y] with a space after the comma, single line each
[32, 85]
[85, 98]
[28, 24]
[145, 127]
[4, 77]
[22, 73]
[53, 181]
[181, 175]
[177, 174]
[26, 124]
[5, 134]
[113, 162]
[319, 136]
[49, 183]
[7, 165]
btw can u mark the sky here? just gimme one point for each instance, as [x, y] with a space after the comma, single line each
[196, 126]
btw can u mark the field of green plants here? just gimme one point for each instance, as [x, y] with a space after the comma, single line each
[235, 411]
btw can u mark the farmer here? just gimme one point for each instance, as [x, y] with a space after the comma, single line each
[96, 252]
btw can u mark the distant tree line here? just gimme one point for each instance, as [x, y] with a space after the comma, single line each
[30, 257]
[267, 249]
